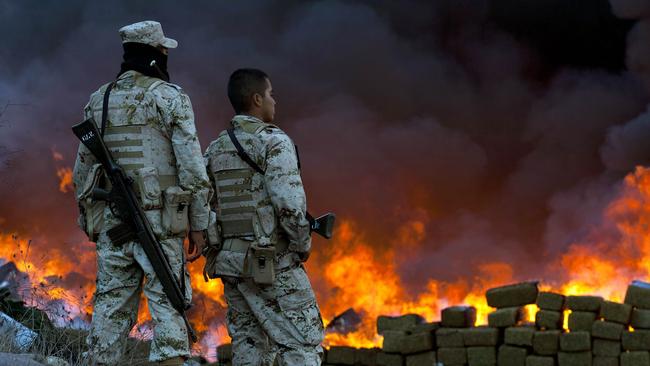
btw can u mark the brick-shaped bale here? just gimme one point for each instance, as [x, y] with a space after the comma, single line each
[458, 317]
[575, 341]
[638, 295]
[400, 323]
[511, 356]
[481, 356]
[393, 341]
[481, 336]
[452, 356]
[389, 359]
[424, 328]
[506, 317]
[581, 320]
[638, 340]
[366, 356]
[584, 303]
[640, 319]
[224, 352]
[615, 312]
[449, 337]
[416, 343]
[341, 355]
[549, 319]
[535, 360]
[546, 342]
[550, 301]
[421, 359]
[605, 347]
[605, 361]
[515, 295]
[574, 358]
[635, 358]
[607, 330]
[519, 336]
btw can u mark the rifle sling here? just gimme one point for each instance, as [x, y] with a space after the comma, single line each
[107, 93]
[242, 153]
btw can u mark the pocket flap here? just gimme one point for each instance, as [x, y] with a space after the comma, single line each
[296, 300]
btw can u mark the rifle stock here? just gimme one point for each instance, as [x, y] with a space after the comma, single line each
[132, 215]
[322, 225]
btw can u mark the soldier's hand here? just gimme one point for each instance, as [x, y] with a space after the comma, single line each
[197, 243]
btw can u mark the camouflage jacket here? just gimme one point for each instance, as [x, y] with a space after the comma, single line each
[139, 99]
[280, 187]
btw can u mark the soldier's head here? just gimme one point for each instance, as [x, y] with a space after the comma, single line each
[146, 48]
[250, 92]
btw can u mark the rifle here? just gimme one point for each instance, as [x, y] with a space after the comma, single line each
[322, 225]
[136, 227]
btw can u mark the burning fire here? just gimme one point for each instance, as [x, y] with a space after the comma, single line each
[356, 275]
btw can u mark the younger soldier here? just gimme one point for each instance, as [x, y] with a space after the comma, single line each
[150, 133]
[261, 208]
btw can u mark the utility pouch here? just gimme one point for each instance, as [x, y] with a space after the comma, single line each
[91, 218]
[213, 232]
[149, 188]
[262, 264]
[175, 218]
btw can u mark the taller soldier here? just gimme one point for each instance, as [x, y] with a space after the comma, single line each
[263, 232]
[148, 126]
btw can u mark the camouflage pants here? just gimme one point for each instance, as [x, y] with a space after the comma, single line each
[120, 270]
[281, 319]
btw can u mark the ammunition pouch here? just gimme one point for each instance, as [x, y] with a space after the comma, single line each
[148, 186]
[91, 216]
[213, 231]
[175, 218]
[261, 264]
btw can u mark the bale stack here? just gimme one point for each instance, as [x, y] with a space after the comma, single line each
[636, 343]
[509, 302]
[406, 336]
[450, 340]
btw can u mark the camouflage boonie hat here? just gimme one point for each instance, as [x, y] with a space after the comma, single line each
[147, 32]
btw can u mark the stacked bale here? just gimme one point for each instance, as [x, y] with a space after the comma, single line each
[449, 338]
[224, 355]
[509, 302]
[405, 336]
[636, 343]
[579, 343]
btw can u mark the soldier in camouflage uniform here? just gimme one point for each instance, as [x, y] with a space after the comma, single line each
[265, 207]
[151, 134]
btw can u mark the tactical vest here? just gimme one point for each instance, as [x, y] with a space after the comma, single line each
[135, 135]
[244, 208]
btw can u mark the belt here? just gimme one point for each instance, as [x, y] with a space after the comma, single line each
[241, 246]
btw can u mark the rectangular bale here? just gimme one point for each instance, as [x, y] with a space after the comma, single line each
[605, 347]
[550, 301]
[481, 356]
[549, 319]
[584, 303]
[605, 361]
[452, 355]
[511, 356]
[399, 323]
[421, 359]
[341, 355]
[581, 320]
[481, 336]
[640, 318]
[514, 295]
[366, 356]
[615, 312]
[458, 317]
[638, 295]
[520, 336]
[424, 328]
[546, 342]
[575, 341]
[607, 330]
[638, 340]
[449, 337]
[535, 360]
[635, 358]
[389, 359]
[416, 343]
[393, 341]
[505, 317]
[224, 352]
[574, 358]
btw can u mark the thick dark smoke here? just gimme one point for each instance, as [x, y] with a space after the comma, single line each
[498, 124]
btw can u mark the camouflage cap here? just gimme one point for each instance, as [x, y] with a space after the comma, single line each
[147, 32]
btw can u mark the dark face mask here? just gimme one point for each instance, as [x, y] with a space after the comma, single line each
[145, 59]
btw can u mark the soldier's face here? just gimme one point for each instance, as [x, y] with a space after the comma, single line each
[268, 103]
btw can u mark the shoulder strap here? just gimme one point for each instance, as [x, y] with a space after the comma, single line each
[242, 153]
[105, 106]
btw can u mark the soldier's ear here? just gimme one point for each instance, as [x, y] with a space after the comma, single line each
[257, 100]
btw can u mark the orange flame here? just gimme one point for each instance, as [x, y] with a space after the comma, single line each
[65, 179]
